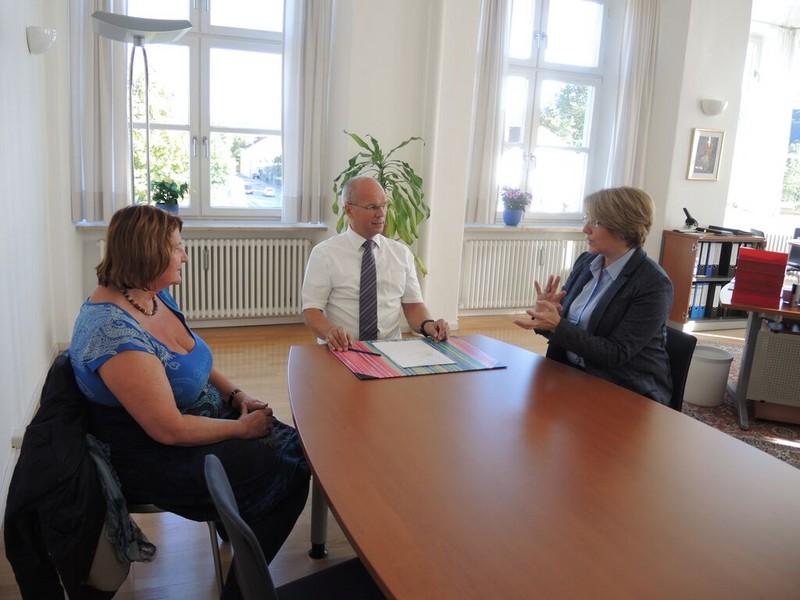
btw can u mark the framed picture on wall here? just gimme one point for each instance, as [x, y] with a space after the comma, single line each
[705, 154]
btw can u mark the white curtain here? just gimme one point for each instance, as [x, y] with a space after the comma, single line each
[306, 58]
[487, 123]
[762, 134]
[100, 173]
[628, 156]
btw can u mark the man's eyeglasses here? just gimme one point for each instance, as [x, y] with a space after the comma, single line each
[373, 208]
[593, 223]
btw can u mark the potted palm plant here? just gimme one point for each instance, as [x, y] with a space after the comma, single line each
[515, 201]
[406, 208]
[167, 193]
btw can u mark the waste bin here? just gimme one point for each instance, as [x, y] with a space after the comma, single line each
[708, 376]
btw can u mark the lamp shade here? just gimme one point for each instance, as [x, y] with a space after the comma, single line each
[40, 39]
[713, 107]
[123, 28]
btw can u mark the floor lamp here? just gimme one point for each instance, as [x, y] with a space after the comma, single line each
[139, 31]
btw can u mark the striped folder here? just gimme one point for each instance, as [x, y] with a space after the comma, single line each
[466, 357]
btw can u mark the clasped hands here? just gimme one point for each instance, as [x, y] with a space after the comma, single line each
[546, 313]
[256, 415]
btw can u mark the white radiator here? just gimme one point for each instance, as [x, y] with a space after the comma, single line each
[777, 242]
[242, 278]
[499, 274]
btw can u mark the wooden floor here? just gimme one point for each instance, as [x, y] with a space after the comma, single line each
[255, 359]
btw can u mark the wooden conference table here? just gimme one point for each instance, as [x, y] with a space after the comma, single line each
[541, 481]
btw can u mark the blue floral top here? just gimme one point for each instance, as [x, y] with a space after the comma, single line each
[103, 330]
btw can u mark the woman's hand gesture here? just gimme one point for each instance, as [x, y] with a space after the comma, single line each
[551, 292]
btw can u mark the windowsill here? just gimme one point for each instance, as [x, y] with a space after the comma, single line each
[233, 225]
[528, 227]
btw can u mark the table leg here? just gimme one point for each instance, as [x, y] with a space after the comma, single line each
[319, 522]
[751, 335]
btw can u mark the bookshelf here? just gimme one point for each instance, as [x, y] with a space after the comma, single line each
[699, 265]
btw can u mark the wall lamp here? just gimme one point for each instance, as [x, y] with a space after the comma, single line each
[40, 39]
[713, 107]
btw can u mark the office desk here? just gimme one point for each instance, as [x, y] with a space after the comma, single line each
[541, 481]
[755, 313]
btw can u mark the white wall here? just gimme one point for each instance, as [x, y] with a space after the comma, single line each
[37, 242]
[399, 69]
[702, 49]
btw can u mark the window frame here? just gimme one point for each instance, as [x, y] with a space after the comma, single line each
[601, 77]
[201, 39]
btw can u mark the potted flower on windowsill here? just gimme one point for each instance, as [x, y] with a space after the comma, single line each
[515, 201]
[167, 193]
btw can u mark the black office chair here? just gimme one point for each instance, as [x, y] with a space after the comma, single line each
[348, 579]
[793, 262]
[680, 348]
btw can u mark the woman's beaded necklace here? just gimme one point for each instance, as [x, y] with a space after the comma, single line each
[137, 306]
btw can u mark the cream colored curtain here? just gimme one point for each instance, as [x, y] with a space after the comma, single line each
[628, 154]
[100, 172]
[487, 125]
[306, 58]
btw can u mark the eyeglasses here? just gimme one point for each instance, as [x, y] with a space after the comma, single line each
[593, 223]
[373, 208]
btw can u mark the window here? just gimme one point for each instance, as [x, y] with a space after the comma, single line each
[215, 101]
[551, 99]
[764, 190]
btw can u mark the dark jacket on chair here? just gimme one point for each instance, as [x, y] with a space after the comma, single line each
[55, 507]
[625, 338]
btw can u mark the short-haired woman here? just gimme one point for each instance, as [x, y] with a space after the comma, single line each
[609, 318]
[159, 404]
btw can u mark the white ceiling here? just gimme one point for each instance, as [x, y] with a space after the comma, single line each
[777, 12]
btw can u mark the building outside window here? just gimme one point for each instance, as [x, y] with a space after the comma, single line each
[215, 107]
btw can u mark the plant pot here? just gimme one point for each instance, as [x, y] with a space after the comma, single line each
[170, 208]
[512, 216]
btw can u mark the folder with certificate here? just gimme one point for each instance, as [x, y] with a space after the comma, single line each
[382, 359]
[412, 353]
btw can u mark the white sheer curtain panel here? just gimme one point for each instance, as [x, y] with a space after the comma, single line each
[765, 123]
[306, 58]
[100, 173]
[627, 156]
[487, 118]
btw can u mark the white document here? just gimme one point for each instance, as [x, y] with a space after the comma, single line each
[412, 353]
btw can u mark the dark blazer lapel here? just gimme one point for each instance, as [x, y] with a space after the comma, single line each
[611, 292]
[582, 277]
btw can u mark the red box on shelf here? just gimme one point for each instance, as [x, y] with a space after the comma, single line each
[759, 277]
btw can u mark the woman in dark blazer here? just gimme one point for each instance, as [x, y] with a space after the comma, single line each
[610, 317]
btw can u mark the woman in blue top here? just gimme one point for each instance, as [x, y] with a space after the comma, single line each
[159, 404]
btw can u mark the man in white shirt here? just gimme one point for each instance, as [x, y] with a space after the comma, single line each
[333, 276]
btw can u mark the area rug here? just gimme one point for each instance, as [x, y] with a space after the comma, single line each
[781, 440]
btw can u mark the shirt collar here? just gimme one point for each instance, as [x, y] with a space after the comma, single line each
[358, 241]
[616, 267]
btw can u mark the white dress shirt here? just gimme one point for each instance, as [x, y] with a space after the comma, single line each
[333, 278]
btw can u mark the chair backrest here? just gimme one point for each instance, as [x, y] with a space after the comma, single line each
[252, 572]
[680, 348]
[794, 253]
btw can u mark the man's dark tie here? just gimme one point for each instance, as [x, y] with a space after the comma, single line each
[368, 296]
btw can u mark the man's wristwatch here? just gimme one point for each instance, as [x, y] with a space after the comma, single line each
[422, 327]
